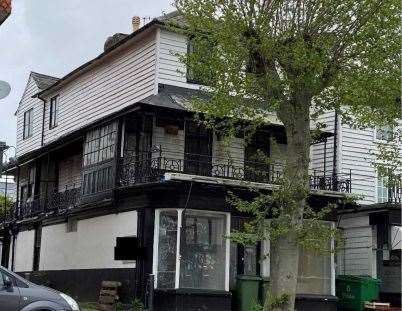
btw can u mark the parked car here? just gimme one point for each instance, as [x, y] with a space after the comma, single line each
[18, 294]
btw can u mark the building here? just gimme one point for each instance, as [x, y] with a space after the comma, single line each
[116, 181]
[5, 10]
[8, 187]
[372, 230]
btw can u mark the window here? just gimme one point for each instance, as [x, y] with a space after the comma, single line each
[316, 270]
[53, 118]
[99, 153]
[382, 189]
[315, 273]
[197, 256]
[202, 56]
[384, 133]
[28, 123]
[100, 144]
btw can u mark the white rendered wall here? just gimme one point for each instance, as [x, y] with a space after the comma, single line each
[91, 247]
[24, 249]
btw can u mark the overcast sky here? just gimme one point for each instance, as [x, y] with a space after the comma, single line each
[56, 36]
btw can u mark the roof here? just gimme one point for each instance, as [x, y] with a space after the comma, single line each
[161, 20]
[174, 97]
[43, 81]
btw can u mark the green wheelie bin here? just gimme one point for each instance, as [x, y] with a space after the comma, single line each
[247, 289]
[352, 291]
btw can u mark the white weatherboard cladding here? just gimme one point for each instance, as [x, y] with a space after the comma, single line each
[24, 250]
[172, 145]
[27, 102]
[90, 247]
[317, 152]
[357, 147]
[171, 70]
[120, 81]
[228, 153]
[70, 173]
[356, 256]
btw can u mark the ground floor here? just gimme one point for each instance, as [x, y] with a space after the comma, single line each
[176, 234]
[373, 246]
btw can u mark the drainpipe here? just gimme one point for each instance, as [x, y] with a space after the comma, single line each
[43, 120]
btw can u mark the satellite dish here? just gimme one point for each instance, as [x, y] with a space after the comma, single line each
[5, 89]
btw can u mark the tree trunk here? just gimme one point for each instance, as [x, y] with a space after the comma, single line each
[284, 253]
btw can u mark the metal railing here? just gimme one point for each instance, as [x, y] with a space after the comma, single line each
[151, 166]
[57, 202]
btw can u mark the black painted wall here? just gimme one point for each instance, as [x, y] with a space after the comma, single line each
[84, 285]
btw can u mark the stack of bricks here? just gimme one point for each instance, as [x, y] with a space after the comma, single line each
[5, 10]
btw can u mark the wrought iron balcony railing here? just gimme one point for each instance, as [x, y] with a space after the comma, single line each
[151, 167]
[57, 202]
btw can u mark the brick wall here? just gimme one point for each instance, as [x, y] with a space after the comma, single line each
[5, 10]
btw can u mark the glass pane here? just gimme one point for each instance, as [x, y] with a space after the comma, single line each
[167, 249]
[250, 260]
[203, 251]
[314, 273]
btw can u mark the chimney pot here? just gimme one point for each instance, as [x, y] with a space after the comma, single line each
[136, 23]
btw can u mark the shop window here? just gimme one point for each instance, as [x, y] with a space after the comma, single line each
[314, 273]
[315, 270]
[202, 262]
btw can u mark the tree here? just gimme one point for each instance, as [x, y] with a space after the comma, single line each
[297, 59]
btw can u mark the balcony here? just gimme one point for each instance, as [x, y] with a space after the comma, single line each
[151, 167]
[57, 203]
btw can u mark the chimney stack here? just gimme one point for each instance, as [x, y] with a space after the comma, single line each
[136, 23]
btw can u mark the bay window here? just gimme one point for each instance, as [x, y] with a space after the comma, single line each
[191, 249]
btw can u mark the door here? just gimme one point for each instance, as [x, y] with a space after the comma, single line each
[198, 149]
[256, 167]
[9, 296]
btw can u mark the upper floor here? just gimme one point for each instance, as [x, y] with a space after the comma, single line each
[151, 144]
[144, 69]
[124, 74]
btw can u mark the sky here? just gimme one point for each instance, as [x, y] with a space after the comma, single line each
[56, 36]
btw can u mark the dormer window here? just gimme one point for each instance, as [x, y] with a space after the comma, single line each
[53, 118]
[28, 123]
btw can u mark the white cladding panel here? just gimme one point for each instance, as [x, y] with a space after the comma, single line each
[70, 172]
[171, 70]
[90, 247]
[357, 147]
[24, 251]
[228, 152]
[317, 152]
[356, 256]
[27, 102]
[122, 80]
[172, 145]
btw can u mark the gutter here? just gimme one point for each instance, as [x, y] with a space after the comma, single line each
[107, 52]
[43, 120]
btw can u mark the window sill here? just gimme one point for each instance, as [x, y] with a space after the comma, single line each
[194, 291]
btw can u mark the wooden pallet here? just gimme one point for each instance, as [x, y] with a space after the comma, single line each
[377, 306]
[109, 295]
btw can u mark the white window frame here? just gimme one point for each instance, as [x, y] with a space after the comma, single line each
[54, 111]
[28, 124]
[178, 256]
[376, 189]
